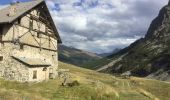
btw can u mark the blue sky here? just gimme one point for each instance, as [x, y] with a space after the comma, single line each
[2, 2]
[101, 25]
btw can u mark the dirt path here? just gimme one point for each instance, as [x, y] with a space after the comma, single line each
[111, 63]
[127, 86]
[147, 94]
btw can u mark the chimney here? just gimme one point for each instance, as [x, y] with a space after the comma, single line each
[12, 11]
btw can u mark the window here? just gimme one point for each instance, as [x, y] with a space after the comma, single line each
[1, 32]
[0, 38]
[39, 35]
[1, 29]
[31, 24]
[13, 74]
[21, 47]
[1, 74]
[45, 68]
[1, 58]
[34, 74]
[50, 73]
[19, 21]
[53, 57]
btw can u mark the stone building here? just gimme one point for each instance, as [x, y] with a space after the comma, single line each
[28, 42]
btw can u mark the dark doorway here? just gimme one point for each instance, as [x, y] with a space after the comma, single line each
[34, 74]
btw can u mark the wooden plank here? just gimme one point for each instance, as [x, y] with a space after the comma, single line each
[38, 31]
[40, 19]
[30, 45]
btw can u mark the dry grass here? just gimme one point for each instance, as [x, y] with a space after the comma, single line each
[93, 86]
[147, 94]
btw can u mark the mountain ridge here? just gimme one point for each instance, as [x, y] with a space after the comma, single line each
[108, 54]
[75, 56]
[148, 55]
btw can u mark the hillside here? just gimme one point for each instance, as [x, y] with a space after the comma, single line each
[107, 54]
[75, 56]
[149, 56]
[96, 64]
[93, 86]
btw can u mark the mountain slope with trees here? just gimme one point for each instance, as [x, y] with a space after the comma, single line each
[75, 56]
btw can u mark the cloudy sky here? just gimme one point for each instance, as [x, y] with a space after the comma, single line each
[101, 25]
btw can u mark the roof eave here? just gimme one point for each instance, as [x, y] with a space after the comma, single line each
[54, 26]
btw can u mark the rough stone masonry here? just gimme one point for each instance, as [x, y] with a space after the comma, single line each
[28, 42]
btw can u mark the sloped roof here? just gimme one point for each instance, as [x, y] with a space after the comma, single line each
[32, 62]
[21, 9]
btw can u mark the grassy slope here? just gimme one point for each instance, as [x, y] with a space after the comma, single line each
[75, 56]
[93, 86]
[95, 64]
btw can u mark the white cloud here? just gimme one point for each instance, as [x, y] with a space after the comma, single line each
[77, 22]
[50, 4]
[102, 25]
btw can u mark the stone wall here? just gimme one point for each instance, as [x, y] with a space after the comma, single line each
[12, 69]
[21, 33]
[41, 74]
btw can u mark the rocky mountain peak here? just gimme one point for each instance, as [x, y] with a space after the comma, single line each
[147, 56]
[160, 25]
